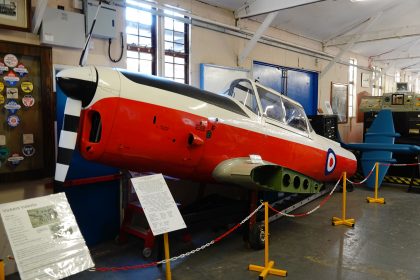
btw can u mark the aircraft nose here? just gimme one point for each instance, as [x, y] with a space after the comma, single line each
[79, 83]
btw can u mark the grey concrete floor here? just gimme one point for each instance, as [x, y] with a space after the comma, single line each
[385, 244]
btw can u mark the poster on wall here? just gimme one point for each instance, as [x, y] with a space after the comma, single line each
[365, 80]
[15, 14]
[339, 101]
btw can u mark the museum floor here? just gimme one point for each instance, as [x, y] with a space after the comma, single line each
[385, 244]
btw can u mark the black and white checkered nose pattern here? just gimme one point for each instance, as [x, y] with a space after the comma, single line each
[68, 138]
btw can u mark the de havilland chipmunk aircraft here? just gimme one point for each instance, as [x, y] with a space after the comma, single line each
[250, 135]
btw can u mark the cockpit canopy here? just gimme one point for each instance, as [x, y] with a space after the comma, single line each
[266, 102]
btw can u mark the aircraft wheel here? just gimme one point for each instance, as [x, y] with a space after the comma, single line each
[257, 236]
[147, 252]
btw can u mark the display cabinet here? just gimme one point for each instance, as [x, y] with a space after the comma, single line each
[27, 112]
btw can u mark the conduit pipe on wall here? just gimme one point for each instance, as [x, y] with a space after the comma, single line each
[246, 34]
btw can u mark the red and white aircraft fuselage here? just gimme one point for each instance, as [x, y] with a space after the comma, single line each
[145, 123]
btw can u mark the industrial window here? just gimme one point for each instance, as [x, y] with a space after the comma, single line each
[149, 52]
[377, 79]
[141, 38]
[176, 48]
[352, 86]
[397, 77]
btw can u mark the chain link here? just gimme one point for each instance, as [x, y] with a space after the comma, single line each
[365, 179]
[184, 255]
[312, 210]
[399, 164]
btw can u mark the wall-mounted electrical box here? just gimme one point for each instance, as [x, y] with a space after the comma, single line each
[62, 28]
[105, 21]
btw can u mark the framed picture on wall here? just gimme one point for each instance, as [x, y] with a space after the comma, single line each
[339, 101]
[365, 80]
[15, 14]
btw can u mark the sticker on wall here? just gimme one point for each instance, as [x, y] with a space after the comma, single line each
[1, 87]
[3, 68]
[13, 120]
[28, 150]
[27, 87]
[21, 70]
[12, 106]
[28, 101]
[12, 93]
[1, 99]
[10, 60]
[15, 159]
[11, 79]
[4, 154]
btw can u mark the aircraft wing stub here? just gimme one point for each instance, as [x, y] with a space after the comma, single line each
[264, 175]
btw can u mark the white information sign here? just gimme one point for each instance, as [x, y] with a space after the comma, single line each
[158, 204]
[45, 239]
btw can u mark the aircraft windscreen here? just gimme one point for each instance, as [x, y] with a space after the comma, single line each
[242, 91]
[271, 103]
[295, 116]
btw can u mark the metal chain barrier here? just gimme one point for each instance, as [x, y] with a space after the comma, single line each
[217, 239]
[151, 264]
[364, 180]
[310, 211]
[399, 164]
[383, 164]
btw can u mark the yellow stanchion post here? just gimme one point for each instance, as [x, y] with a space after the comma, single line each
[375, 199]
[343, 221]
[1, 269]
[268, 265]
[168, 264]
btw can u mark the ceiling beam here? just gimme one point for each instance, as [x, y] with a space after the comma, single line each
[254, 40]
[398, 58]
[351, 42]
[259, 7]
[41, 6]
[395, 33]
[345, 30]
[409, 67]
[406, 47]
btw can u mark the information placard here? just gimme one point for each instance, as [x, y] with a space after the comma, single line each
[45, 238]
[158, 204]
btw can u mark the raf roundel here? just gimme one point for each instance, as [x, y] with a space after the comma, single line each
[331, 162]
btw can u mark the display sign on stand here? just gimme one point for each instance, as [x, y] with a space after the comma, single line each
[158, 205]
[160, 209]
[45, 238]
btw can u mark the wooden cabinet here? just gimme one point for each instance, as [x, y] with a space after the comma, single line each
[26, 112]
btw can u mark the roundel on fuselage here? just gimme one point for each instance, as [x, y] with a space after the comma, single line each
[331, 162]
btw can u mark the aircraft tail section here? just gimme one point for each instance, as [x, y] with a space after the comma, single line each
[381, 132]
[379, 146]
